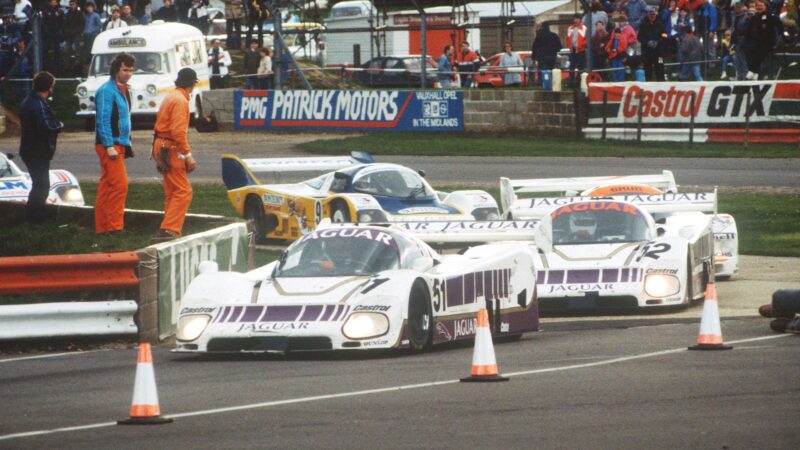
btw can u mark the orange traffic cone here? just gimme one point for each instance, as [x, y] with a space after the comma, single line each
[710, 337]
[144, 408]
[484, 366]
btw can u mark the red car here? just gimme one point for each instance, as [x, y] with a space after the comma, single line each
[492, 76]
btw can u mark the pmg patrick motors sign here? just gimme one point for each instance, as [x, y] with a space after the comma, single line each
[434, 110]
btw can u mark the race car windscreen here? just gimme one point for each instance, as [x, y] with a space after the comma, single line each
[391, 182]
[146, 63]
[345, 252]
[598, 222]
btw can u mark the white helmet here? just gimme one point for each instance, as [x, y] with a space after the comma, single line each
[582, 224]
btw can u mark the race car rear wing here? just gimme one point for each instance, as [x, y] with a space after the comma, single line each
[237, 173]
[536, 208]
[469, 231]
[509, 189]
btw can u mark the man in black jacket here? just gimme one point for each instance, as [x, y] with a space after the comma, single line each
[545, 49]
[73, 34]
[38, 143]
[652, 36]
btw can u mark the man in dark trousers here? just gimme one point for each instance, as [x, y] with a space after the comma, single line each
[652, 36]
[545, 48]
[38, 143]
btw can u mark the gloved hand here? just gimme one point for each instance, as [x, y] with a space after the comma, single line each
[112, 152]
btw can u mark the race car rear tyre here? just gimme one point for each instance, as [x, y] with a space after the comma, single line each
[420, 318]
[340, 213]
[254, 210]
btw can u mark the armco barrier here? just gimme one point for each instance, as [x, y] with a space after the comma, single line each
[68, 273]
[67, 319]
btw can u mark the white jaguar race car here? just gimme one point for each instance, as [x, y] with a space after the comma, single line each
[611, 253]
[15, 185]
[638, 189]
[361, 287]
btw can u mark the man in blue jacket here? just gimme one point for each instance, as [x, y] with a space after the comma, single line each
[113, 145]
[38, 143]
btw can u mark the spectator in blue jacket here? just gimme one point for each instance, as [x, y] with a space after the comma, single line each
[635, 10]
[445, 68]
[92, 26]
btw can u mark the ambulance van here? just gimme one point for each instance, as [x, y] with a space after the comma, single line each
[161, 50]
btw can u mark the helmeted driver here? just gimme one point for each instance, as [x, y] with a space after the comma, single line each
[582, 225]
[334, 251]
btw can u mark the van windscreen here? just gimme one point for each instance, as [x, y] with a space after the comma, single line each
[146, 63]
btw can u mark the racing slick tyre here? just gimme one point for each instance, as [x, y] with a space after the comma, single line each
[340, 213]
[254, 210]
[420, 318]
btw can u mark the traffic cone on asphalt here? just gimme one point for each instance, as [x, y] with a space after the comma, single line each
[144, 408]
[484, 366]
[710, 337]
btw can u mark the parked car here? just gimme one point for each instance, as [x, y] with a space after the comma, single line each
[395, 71]
[491, 74]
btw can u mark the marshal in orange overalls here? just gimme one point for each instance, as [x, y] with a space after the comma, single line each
[172, 124]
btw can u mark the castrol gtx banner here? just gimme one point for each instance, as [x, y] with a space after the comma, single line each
[434, 110]
[772, 104]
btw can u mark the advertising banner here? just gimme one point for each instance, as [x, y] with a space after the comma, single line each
[178, 261]
[711, 103]
[356, 110]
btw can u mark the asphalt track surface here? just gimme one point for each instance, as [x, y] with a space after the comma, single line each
[76, 154]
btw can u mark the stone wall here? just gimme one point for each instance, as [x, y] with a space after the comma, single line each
[485, 110]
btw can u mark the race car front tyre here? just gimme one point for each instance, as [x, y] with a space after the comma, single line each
[340, 213]
[420, 318]
[254, 210]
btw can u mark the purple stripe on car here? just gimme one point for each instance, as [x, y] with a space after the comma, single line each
[251, 313]
[455, 291]
[341, 314]
[282, 313]
[237, 311]
[555, 277]
[478, 284]
[610, 275]
[220, 312]
[540, 277]
[625, 276]
[469, 288]
[311, 313]
[326, 314]
[582, 276]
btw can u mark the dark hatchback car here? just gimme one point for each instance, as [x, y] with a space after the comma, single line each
[395, 71]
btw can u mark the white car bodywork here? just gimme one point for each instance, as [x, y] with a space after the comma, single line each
[15, 185]
[416, 300]
[638, 189]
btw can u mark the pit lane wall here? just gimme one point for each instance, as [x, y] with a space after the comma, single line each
[769, 111]
[470, 110]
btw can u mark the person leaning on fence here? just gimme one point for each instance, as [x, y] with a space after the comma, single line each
[740, 41]
[545, 49]
[113, 145]
[599, 41]
[468, 62]
[692, 53]
[265, 73]
[173, 155]
[763, 31]
[252, 59]
[653, 38]
[621, 38]
[218, 62]
[38, 143]
[444, 67]
[576, 40]
[511, 59]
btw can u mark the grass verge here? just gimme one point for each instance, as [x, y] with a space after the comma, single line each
[448, 144]
[767, 224]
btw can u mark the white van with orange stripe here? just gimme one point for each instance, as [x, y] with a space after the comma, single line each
[161, 50]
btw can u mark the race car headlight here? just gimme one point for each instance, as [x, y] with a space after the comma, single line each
[365, 325]
[191, 327]
[371, 215]
[151, 90]
[82, 91]
[661, 285]
[71, 194]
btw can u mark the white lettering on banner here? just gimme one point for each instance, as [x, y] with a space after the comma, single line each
[435, 95]
[633, 198]
[580, 287]
[433, 122]
[327, 105]
[464, 327]
[253, 108]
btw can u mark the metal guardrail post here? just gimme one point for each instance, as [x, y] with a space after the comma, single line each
[747, 111]
[605, 120]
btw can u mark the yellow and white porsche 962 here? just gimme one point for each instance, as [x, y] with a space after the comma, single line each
[362, 287]
[357, 190]
[646, 190]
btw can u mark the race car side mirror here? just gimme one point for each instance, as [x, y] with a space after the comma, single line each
[421, 173]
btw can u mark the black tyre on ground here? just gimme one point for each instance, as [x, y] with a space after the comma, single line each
[420, 318]
[254, 210]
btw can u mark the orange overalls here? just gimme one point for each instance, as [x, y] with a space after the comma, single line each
[172, 125]
[112, 189]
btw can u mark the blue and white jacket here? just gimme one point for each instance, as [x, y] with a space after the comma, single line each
[113, 116]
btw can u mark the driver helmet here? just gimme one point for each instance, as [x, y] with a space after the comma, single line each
[582, 224]
[334, 250]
